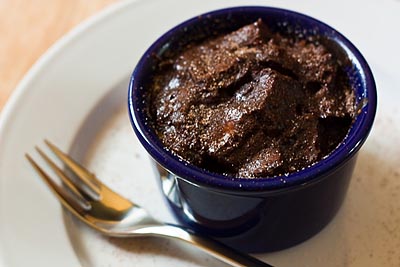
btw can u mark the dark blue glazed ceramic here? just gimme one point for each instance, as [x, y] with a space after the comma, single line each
[255, 215]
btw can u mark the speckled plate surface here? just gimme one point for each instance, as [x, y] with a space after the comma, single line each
[76, 97]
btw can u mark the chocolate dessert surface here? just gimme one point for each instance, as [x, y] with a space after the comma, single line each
[252, 103]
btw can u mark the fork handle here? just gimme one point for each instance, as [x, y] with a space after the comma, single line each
[211, 247]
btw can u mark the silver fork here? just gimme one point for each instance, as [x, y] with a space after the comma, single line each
[98, 206]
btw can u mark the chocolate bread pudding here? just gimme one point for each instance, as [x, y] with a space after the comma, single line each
[252, 103]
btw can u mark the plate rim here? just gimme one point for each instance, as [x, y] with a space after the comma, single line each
[47, 57]
[52, 51]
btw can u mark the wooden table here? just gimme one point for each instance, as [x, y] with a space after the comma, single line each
[29, 28]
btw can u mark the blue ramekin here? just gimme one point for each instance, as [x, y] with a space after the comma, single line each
[264, 214]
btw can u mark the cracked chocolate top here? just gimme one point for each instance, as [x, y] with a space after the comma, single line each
[252, 103]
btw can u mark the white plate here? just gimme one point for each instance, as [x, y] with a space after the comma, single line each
[75, 96]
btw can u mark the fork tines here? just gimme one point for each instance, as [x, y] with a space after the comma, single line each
[84, 186]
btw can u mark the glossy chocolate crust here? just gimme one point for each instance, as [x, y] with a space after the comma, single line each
[252, 103]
